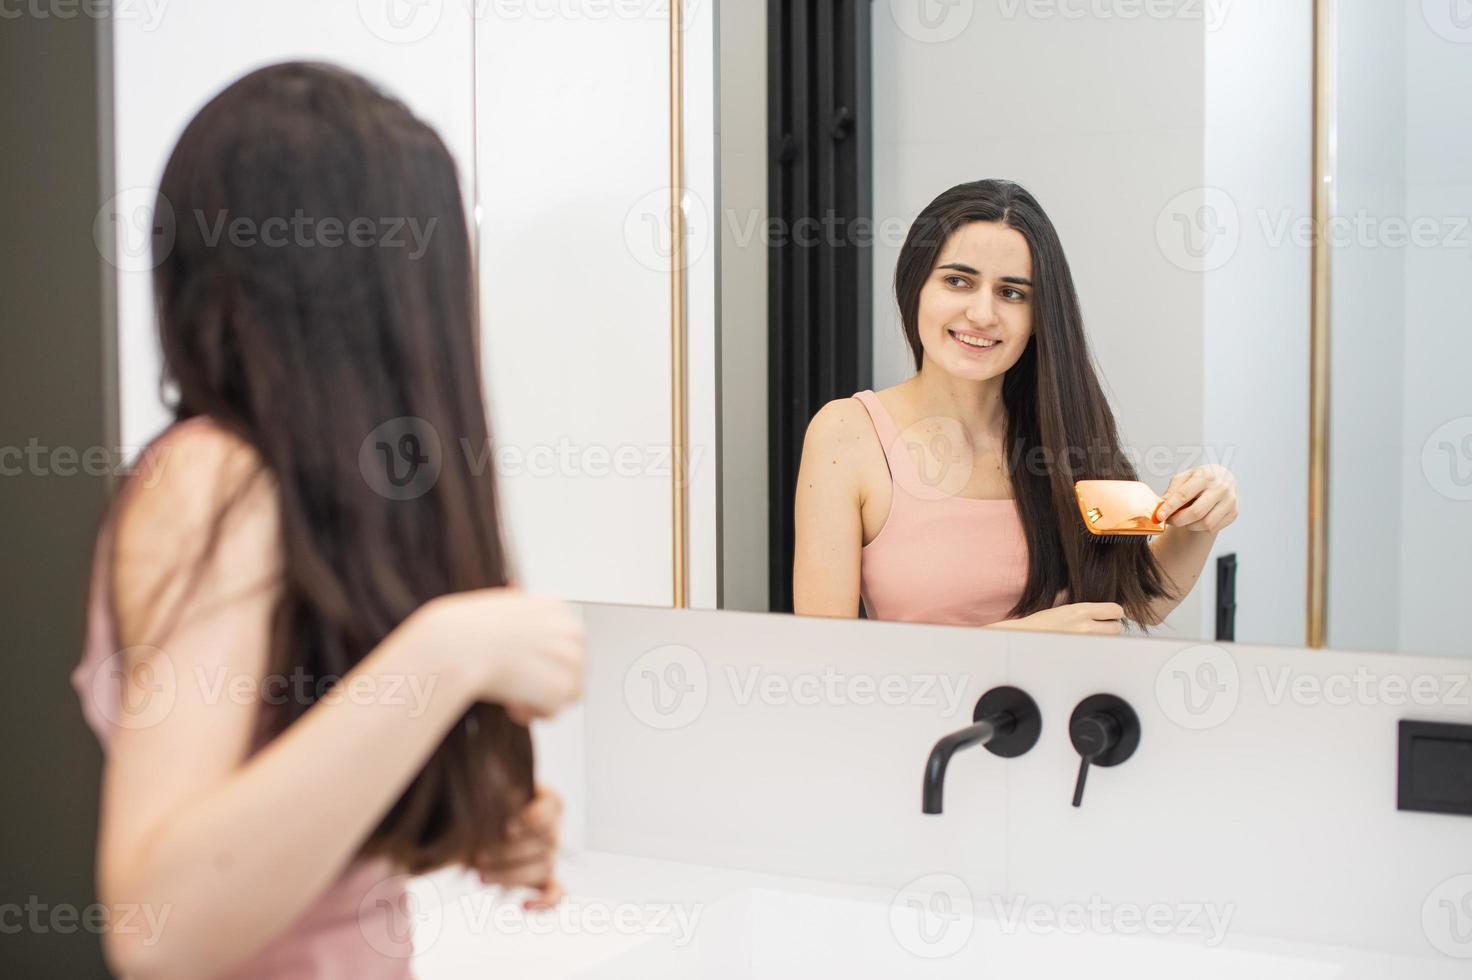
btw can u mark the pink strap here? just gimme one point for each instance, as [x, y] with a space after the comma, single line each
[889, 434]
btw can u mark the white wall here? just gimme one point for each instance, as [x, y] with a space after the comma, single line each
[1367, 336]
[742, 135]
[1264, 783]
[165, 70]
[560, 125]
[1436, 516]
[572, 126]
[1255, 312]
[1400, 406]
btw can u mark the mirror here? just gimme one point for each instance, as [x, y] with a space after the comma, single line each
[1400, 487]
[1171, 148]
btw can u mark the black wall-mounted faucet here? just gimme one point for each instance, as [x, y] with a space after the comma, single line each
[1005, 720]
[1105, 731]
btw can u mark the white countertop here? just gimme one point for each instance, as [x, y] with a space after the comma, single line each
[637, 917]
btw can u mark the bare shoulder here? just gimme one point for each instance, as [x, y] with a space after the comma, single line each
[841, 449]
[197, 492]
[842, 428]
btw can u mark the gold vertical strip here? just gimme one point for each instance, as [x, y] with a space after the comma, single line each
[1323, 203]
[680, 492]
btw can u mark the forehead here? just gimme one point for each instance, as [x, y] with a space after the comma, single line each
[989, 246]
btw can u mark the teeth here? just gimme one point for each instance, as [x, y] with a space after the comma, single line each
[975, 341]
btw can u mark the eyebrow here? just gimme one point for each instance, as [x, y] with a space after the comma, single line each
[962, 267]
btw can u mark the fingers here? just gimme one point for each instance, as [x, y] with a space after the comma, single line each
[547, 896]
[1184, 488]
[540, 818]
[1200, 507]
[1224, 513]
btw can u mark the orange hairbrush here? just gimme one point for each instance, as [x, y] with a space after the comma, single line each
[1119, 509]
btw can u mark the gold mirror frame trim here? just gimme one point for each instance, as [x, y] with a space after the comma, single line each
[1318, 413]
[680, 510]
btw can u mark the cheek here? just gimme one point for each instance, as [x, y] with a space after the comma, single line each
[935, 312]
[1020, 321]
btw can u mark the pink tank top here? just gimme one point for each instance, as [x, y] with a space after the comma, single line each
[939, 558]
[359, 928]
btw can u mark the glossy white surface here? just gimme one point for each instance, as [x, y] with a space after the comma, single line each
[637, 918]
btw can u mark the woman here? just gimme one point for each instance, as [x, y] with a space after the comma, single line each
[949, 498]
[310, 673]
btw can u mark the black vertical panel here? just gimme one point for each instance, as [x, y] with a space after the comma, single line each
[1226, 597]
[55, 393]
[819, 326]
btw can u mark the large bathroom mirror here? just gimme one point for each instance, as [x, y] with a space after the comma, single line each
[1184, 152]
[1176, 149]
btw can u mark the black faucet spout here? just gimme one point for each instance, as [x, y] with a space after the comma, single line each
[1005, 720]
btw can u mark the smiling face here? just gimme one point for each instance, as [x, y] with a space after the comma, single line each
[975, 312]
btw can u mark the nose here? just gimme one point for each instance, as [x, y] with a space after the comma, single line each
[982, 310]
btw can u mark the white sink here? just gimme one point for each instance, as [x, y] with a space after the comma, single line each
[773, 933]
[642, 919]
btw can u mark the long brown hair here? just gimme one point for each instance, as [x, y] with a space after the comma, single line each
[1059, 424]
[303, 345]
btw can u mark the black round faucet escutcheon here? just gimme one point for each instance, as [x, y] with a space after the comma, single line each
[1106, 731]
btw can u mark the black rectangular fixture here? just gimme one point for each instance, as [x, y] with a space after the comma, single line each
[819, 323]
[1435, 770]
[1226, 597]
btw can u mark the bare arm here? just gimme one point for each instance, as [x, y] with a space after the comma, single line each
[829, 528]
[1181, 554]
[232, 851]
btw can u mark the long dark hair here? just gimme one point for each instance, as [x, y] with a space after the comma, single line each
[302, 342]
[1059, 424]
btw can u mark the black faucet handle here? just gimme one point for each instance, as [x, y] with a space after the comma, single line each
[1105, 731]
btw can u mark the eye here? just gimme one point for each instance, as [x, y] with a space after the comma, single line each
[958, 282]
[1012, 292]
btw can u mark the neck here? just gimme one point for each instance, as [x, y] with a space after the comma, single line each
[976, 404]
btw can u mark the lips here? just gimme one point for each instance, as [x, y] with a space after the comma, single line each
[975, 342]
